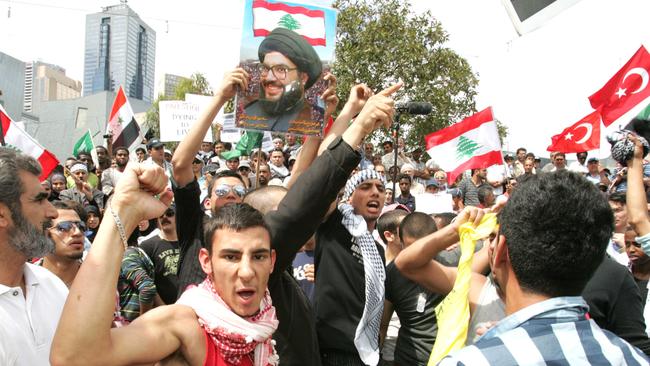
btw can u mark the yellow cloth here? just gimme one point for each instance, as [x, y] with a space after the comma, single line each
[453, 312]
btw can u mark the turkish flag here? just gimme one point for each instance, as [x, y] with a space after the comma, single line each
[583, 135]
[625, 90]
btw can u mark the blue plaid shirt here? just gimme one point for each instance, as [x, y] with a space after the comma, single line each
[555, 331]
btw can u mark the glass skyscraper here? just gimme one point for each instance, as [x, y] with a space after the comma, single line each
[120, 50]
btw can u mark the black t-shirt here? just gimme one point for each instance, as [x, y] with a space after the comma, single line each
[340, 297]
[164, 255]
[615, 303]
[415, 307]
[643, 288]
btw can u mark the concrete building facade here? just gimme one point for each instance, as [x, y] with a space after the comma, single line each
[45, 82]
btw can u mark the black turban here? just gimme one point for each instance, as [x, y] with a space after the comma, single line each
[295, 48]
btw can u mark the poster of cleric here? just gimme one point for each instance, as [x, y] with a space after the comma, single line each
[286, 48]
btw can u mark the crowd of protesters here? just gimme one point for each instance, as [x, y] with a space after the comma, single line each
[304, 254]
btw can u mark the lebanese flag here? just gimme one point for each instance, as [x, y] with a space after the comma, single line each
[122, 123]
[16, 138]
[626, 89]
[309, 23]
[472, 143]
[583, 135]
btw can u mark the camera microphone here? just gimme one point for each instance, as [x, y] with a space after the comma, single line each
[414, 108]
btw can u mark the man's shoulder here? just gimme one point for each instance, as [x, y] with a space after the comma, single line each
[47, 279]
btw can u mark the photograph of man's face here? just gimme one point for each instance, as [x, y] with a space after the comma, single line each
[282, 84]
[285, 86]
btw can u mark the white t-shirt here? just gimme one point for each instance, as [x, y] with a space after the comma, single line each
[27, 324]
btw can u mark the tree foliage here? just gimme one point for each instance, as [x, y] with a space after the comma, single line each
[196, 84]
[380, 42]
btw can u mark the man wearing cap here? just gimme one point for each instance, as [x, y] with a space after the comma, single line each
[593, 174]
[156, 151]
[112, 175]
[349, 296]
[82, 192]
[168, 155]
[289, 66]
[432, 186]
[244, 169]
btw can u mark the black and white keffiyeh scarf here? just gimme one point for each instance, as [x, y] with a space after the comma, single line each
[366, 338]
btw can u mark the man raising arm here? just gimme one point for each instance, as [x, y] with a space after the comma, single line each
[230, 306]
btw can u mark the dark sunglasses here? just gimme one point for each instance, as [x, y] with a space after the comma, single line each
[170, 212]
[222, 190]
[66, 226]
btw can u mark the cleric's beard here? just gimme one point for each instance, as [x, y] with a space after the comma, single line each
[28, 239]
[292, 95]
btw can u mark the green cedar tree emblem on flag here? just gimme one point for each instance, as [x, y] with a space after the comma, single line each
[465, 148]
[289, 22]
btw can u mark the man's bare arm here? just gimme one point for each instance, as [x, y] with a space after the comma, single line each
[416, 261]
[84, 336]
[637, 204]
[186, 150]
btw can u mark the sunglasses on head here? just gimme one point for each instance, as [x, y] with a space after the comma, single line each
[66, 226]
[222, 190]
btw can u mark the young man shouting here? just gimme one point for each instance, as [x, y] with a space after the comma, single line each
[228, 319]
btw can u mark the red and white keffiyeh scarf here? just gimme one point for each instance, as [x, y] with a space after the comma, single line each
[234, 336]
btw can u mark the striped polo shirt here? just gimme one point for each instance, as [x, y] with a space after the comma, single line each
[554, 332]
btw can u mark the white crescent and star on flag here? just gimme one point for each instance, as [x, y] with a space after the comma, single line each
[643, 73]
[589, 130]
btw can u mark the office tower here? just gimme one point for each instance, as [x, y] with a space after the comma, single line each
[120, 50]
[46, 82]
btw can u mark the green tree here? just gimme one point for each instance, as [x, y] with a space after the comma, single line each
[196, 84]
[289, 22]
[380, 42]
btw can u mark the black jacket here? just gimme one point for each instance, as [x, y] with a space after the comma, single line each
[292, 224]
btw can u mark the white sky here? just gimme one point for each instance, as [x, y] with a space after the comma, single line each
[538, 83]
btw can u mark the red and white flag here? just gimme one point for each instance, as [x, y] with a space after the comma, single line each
[309, 23]
[472, 143]
[16, 138]
[583, 135]
[628, 88]
[122, 124]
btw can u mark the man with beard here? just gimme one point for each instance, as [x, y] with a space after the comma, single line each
[67, 233]
[112, 175]
[289, 66]
[31, 297]
[163, 251]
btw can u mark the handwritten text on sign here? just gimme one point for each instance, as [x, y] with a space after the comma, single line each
[176, 119]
